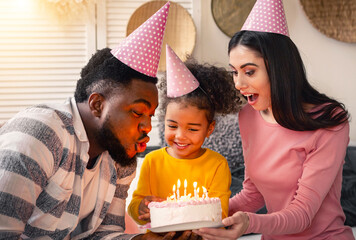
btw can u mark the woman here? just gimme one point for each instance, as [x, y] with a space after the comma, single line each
[294, 142]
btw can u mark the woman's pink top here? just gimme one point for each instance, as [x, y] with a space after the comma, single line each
[297, 174]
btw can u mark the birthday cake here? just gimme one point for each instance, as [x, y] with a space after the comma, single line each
[185, 211]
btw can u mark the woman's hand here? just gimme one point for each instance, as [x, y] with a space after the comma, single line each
[238, 223]
[143, 210]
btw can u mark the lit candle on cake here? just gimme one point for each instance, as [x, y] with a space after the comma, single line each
[198, 191]
[185, 187]
[174, 191]
[178, 186]
[205, 193]
[195, 189]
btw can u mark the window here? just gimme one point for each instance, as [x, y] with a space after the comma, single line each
[41, 58]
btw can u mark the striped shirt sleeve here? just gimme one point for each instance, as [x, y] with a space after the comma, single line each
[28, 151]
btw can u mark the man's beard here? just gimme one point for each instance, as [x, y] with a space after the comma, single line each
[112, 144]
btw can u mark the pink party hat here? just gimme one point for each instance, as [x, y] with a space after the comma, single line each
[141, 50]
[267, 16]
[180, 80]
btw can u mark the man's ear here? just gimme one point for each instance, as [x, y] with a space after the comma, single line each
[96, 104]
[211, 128]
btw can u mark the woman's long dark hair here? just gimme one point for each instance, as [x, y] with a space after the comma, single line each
[290, 89]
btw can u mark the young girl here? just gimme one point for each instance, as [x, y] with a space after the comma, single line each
[189, 120]
[294, 140]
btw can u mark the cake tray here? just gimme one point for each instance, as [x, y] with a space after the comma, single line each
[187, 226]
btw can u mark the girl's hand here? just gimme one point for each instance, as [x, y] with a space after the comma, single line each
[238, 223]
[143, 210]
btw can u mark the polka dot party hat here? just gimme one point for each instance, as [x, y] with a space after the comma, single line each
[180, 80]
[141, 50]
[267, 16]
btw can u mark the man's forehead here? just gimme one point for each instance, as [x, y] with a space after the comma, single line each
[139, 92]
[143, 101]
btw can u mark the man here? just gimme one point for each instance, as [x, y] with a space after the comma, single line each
[65, 169]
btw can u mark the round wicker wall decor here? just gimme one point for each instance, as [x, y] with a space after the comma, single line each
[180, 32]
[230, 15]
[334, 18]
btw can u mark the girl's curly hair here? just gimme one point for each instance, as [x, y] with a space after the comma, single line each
[218, 95]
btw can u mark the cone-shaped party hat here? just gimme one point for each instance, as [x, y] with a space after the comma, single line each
[141, 50]
[180, 80]
[267, 16]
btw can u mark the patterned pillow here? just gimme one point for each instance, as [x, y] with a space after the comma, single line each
[348, 191]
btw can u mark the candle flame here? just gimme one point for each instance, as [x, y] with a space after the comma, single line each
[176, 196]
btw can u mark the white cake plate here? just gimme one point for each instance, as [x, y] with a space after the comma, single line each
[187, 226]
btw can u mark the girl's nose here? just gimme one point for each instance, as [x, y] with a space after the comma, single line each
[180, 134]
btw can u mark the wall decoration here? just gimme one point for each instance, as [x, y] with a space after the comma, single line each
[180, 33]
[230, 15]
[335, 19]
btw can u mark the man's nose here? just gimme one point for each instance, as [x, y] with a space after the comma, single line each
[146, 125]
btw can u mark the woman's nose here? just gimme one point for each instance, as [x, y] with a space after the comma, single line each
[239, 83]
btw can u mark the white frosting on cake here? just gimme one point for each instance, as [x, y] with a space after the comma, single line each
[193, 210]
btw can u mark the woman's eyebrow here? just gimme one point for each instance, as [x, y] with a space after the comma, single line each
[231, 66]
[248, 64]
[244, 65]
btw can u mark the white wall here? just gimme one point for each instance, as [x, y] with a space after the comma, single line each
[330, 64]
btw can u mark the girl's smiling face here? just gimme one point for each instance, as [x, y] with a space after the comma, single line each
[251, 77]
[186, 128]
